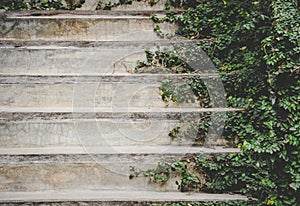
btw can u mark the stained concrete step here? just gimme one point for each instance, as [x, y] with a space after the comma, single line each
[103, 132]
[84, 26]
[113, 198]
[57, 60]
[23, 127]
[86, 168]
[77, 58]
[139, 90]
[81, 113]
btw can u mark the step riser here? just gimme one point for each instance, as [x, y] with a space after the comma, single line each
[105, 173]
[88, 133]
[83, 29]
[70, 176]
[80, 95]
[55, 92]
[68, 61]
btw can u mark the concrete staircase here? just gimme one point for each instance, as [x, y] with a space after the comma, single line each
[74, 116]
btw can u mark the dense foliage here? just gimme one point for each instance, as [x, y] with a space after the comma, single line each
[255, 45]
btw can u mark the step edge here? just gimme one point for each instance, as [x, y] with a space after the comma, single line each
[125, 150]
[108, 196]
[86, 12]
[20, 44]
[74, 110]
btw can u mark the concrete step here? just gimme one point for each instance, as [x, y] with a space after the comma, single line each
[70, 60]
[103, 132]
[85, 168]
[74, 58]
[23, 127]
[139, 90]
[112, 198]
[80, 26]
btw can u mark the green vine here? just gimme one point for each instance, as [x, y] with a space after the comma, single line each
[256, 47]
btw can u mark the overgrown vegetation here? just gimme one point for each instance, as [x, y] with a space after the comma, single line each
[255, 45]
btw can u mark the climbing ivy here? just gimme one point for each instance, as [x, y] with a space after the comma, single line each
[255, 46]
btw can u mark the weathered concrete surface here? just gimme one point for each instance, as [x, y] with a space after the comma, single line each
[40, 153]
[82, 176]
[55, 60]
[85, 58]
[81, 57]
[75, 95]
[88, 168]
[75, 27]
[86, 132]
[140, 90]
[105, 198]
[132, 126]
[104, 78]
[41, 114]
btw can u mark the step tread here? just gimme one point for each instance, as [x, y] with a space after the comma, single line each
[62, 13]
[78, 16]
[104, 78]
[117, 150]
[43, 44]
[74, 110]
[115, 113]
[54, 114]
[106, 196]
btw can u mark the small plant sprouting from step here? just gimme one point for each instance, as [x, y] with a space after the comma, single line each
[162, 61]
[176, 92]
[194, 133]
[174, 133]
[170, 17]
[190, 90]
[190, 179]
